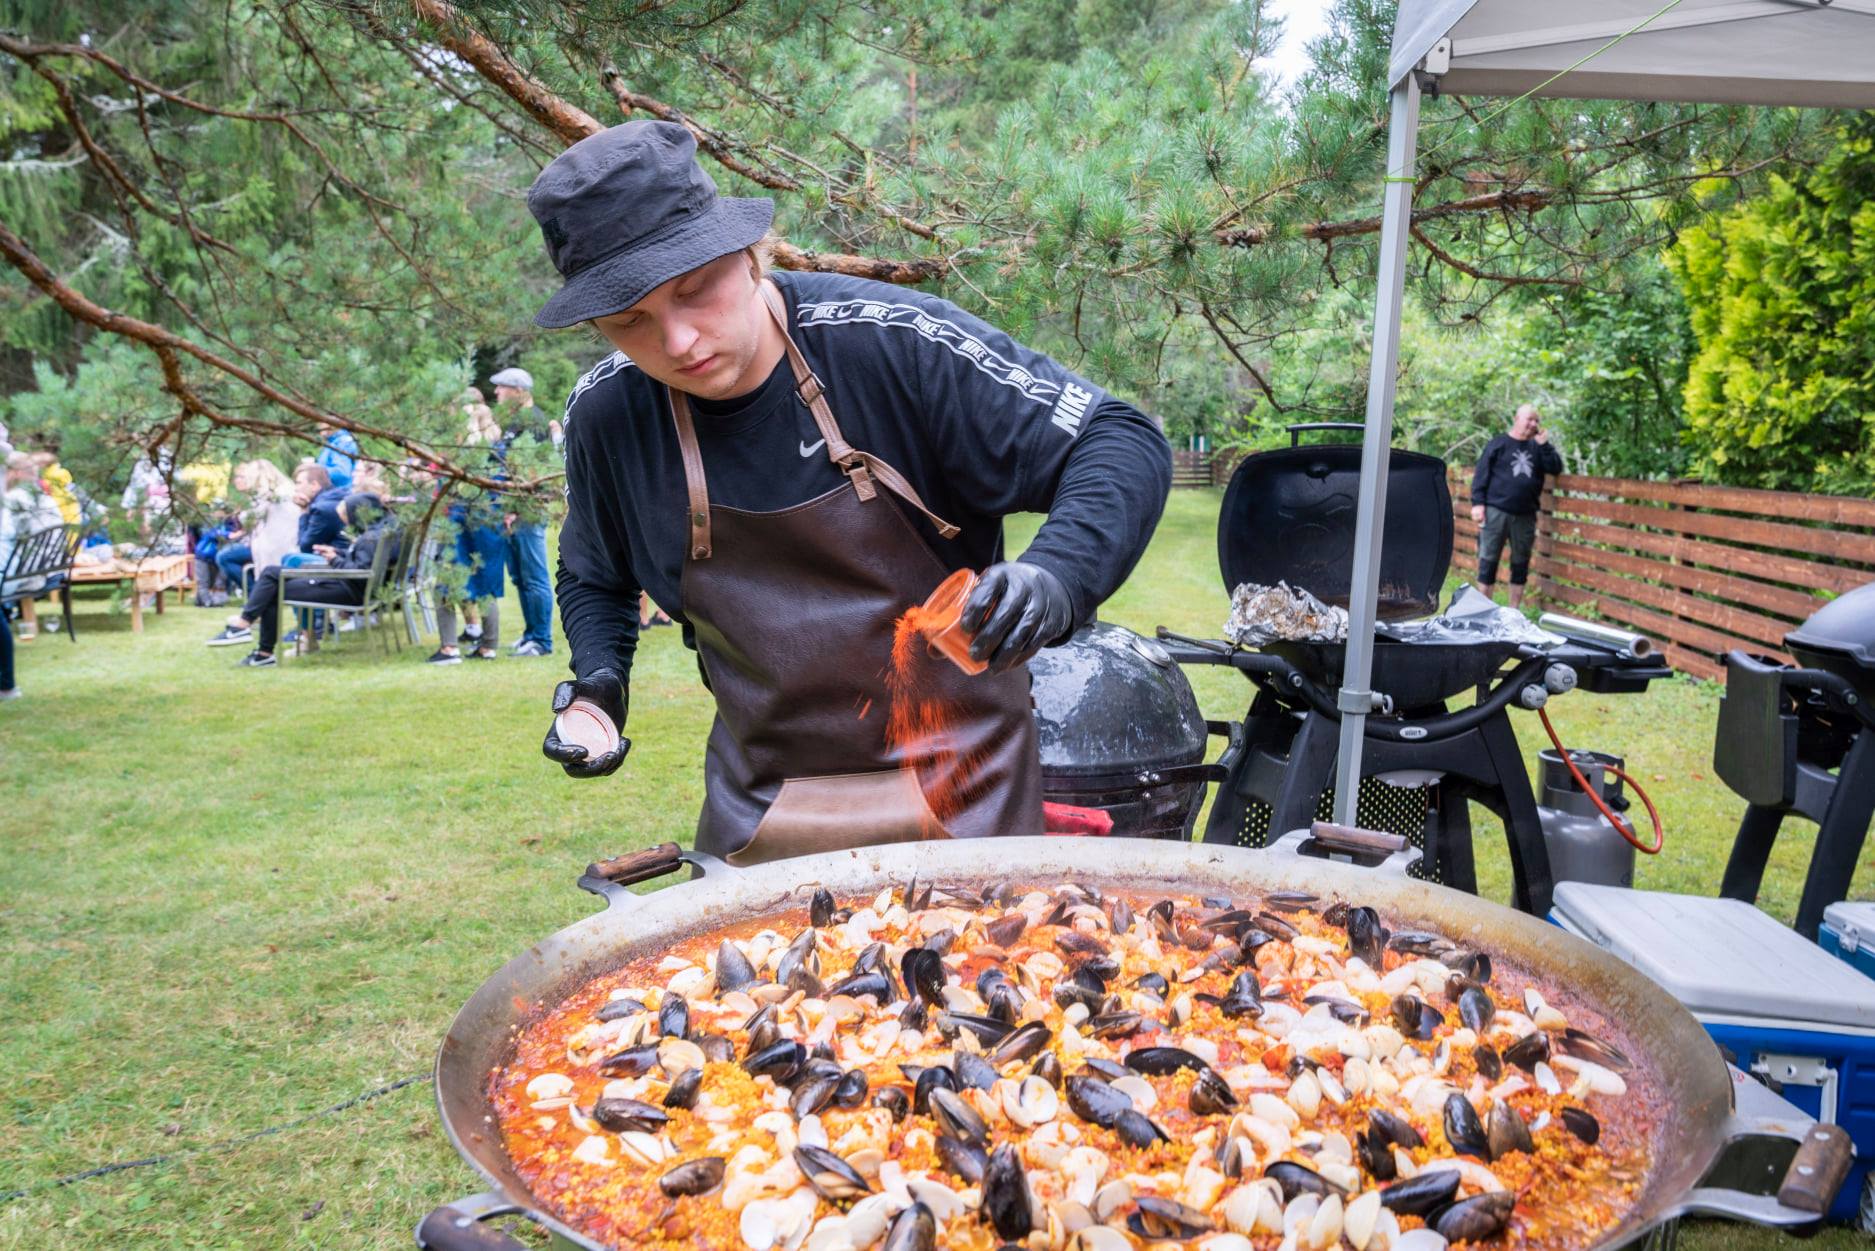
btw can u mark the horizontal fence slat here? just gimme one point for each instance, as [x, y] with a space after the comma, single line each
[1840, 544]
[1742, 560]
[1736, 621]
[1731, 590]
[1841, 510]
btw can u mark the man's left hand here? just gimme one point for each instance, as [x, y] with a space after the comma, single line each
[1016, 610]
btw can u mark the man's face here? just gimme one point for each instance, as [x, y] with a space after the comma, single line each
[304, 489]
[1527, 422]
[511, 395]
[699, 333]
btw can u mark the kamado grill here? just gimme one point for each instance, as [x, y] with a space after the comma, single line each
[1707, 1158]
[1288, 516]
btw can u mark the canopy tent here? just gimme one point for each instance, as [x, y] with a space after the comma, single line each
[1810, 53]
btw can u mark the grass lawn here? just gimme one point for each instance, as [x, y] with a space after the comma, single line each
[232, 898]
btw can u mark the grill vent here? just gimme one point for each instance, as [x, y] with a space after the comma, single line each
[1398, 810]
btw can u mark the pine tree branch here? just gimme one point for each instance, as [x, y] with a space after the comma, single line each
[168, 347]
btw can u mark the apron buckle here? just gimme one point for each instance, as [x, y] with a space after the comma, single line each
[860, 476]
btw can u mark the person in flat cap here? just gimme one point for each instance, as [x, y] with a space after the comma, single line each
[786, 462]
[526, 536]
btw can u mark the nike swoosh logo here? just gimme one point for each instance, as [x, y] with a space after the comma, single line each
[808, 450]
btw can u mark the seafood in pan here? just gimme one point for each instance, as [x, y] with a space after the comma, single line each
[1076, 1069]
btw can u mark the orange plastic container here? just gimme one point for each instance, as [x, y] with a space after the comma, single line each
[939, 621]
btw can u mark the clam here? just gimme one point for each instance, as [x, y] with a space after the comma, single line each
[549, 1086]
[1030, 1102]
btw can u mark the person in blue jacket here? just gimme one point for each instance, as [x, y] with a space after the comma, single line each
[339, 456]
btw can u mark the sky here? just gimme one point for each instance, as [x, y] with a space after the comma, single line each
[1303, 20]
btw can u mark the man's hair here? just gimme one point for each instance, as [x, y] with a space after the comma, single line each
[316, 474]
[762, 254]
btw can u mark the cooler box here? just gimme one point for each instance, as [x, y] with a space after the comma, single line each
[1848, 931]
[1785, 1009]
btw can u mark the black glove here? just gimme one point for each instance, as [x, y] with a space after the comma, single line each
[1016, 610]
[606, 689]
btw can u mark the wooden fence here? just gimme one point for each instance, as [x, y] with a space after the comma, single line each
[1700, 569]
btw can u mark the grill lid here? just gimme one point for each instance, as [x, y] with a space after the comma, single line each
[1289, 516]
[1840, 637]
[1108, 701]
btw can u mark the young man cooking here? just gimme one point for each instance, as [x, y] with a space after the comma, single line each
[786, 463]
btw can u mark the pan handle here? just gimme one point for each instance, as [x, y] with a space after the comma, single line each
[1806, 1187]
[458, 1226]
[609, 879]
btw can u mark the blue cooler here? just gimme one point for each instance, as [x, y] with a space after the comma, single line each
[1848, 931]
[1784, 1009]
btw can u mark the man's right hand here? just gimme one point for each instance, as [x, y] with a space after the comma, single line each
[606, 689]
[1477, 513]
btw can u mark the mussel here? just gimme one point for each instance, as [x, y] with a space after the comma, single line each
[874, 982]
[812, 1094]
[1424, 1193]
[1163, 1061]
[1505, 1130]
[1367, 938]
[1004, 930]
[894, 1100]
[1299, 1179]
[674, 1017]
[1414, 1017]
[801, 955]
[779, 1061]
[973, 1072]
[1104, 1069]
[620, 1115]
[1211, 1095]
[733, 970]
[1530, 1050]
[1093, 1100]
[1006, 1195]
[936, 1077]
[1047, 1066]
[832, 1178]
[957, 1118]
[1136, 1129]
[1475, 1009]
[1154, 983]
[1475, 965]
[617, 1009]
[1245, 997]
[1582, 1124]
[693, 1177]
[764, 1028]
[850, 1091]
[965, 1159]
[1167, 1219]
[1376, 1155]
[630, 1062]
[988, 1030]
[1113, 1024]
[1119, 914]
[1583, 1046]
[1290, 900]
[1489, 1063]
[924, 974]
[820, 907]
[1477, 1218]
[1075, 943]
[1463, 1129]
[1020, 1044]
[1004, 1003]
[683, 1091]
[913, 1229]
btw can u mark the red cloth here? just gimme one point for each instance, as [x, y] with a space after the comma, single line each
[1067, 819]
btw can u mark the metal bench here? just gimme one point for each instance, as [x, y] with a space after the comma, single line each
[41, 564]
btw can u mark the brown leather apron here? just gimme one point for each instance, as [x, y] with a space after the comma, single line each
[794, 614]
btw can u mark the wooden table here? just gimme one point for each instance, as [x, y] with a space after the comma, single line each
[151, 575]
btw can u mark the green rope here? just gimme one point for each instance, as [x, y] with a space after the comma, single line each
[1639, 26]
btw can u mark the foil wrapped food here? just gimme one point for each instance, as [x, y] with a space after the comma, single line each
[1267, 614]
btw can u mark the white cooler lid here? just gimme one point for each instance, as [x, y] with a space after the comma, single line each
[1720, 957]
[1856, 919]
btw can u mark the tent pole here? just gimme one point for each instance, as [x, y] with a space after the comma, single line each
[1356, 697]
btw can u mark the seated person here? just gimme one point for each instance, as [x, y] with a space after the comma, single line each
[319, 500]
[365, 514]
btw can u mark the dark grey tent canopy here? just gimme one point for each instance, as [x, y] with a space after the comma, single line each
[1815, 53]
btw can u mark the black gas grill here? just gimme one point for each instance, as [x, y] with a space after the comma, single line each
[1288, 516]
[1802, 740]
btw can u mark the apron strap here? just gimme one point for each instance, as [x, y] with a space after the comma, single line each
[860, 467]
[694, 482]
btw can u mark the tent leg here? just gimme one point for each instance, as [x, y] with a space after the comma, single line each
[1356, 700]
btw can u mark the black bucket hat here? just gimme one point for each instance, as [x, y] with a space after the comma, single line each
[627, 209]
